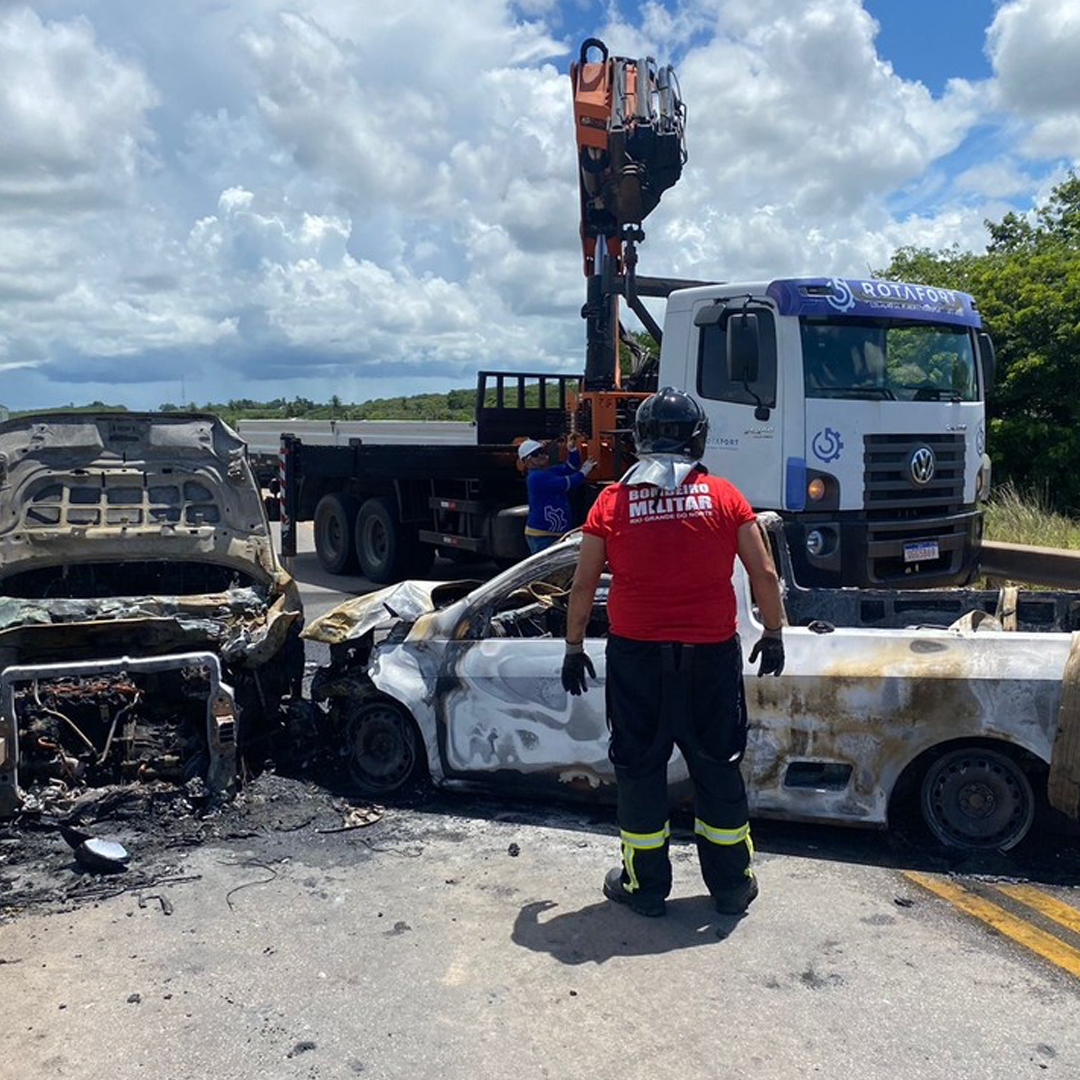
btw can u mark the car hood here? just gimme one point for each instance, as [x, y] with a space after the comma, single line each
[79, 488]
[135, 533]
[396, 604]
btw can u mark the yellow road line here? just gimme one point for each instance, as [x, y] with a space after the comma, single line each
[1031, 937]
[1044, 904]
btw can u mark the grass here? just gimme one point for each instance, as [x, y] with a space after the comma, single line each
[1025, 517]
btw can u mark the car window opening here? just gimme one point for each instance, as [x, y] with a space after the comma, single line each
[538, 608]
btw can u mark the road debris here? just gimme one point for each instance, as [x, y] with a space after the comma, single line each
[102, 856]
[247, 884]
[164, 901]
[358, 817]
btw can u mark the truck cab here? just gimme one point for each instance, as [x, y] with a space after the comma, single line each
[853, 408]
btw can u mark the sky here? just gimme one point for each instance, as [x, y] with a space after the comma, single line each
[211, 200]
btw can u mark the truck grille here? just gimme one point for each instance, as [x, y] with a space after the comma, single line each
[899, 510]
[889, 490]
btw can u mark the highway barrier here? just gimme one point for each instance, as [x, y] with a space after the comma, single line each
[1057, 567]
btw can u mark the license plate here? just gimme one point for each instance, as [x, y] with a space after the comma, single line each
[921, 551]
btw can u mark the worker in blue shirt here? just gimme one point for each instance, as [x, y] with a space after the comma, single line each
[549, 488]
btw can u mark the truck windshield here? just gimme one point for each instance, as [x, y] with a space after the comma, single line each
[887, 359]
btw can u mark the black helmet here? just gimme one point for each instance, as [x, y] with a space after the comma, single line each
[671, 422]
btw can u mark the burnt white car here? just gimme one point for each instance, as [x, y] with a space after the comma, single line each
[460, 682]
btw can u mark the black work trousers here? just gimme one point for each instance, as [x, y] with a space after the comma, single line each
[666, 694]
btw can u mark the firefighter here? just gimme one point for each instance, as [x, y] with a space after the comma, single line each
[669, 533]
[549, 487]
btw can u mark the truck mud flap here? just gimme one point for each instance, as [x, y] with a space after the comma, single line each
[221, 733]
[1063, 784]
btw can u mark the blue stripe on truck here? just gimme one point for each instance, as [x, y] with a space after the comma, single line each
[795, 484]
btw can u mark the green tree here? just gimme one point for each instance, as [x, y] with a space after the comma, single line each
[1027, 286]
[633, 352]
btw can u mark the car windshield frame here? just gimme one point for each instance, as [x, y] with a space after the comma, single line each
[888, 359]
[461, 614]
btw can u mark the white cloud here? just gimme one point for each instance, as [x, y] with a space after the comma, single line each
[72, 116]
[350, 198]
[995, 179]
[1034, 46]
[800, 134]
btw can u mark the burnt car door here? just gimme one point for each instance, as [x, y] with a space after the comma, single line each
[503, 715]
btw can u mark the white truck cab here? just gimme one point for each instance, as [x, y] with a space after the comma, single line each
[853, 408]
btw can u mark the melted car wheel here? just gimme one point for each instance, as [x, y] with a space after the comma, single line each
[385, 754]
[977, 799]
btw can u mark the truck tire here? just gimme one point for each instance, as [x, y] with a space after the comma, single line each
[382, 542]
[334, 540]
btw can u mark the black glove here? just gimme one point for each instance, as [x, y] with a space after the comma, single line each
[574, 665]
[770, 647]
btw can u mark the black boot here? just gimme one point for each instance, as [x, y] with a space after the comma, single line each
[614, 889]
[737, 899]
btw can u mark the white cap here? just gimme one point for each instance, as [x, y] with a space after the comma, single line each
[529, 446]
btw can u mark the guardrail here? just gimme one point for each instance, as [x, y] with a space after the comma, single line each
[1057, 567]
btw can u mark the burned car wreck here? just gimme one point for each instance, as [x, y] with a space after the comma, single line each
[962, 722]
[147, 630]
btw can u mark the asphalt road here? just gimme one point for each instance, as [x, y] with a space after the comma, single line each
[264, 436]
[321, 591]
[466, 937]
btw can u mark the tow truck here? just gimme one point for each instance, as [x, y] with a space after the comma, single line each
[853, 408]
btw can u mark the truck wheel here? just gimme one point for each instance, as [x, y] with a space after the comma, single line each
[384, 747]
[977, 799]
[334, 546]
[381, 544]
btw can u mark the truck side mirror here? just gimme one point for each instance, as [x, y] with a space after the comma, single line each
[987, 360]
[743, 347]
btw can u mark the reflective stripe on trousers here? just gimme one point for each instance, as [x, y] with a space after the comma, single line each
[727, 838]
[632, 842]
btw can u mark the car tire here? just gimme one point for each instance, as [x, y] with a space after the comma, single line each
[977, 799]
[382, 546]
[335, 547]
[385, 752]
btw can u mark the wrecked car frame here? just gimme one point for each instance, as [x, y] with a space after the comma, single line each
[464, 682]
[147, 629]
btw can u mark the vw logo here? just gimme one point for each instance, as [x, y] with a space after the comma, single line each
[922, 465]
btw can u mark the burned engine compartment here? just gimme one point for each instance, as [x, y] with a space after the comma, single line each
[114, 728]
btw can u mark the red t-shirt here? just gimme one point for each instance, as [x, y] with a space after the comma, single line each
[671, 555]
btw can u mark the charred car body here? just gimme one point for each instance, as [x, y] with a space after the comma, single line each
[967, 719]
[147, 630]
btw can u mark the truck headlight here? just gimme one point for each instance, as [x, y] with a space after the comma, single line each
[815, 541]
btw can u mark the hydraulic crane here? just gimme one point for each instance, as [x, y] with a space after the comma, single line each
[630, 123]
